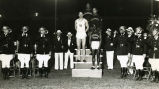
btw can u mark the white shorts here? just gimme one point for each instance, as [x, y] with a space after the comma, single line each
[154, 64]
[6, 58]
[24, 59]
[123, 59]
[43, 59]
[81, 35]
[95, 45]
[138, 60]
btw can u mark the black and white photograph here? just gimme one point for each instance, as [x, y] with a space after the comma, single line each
[79, 44]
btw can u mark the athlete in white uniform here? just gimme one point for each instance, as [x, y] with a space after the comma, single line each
[81, 26]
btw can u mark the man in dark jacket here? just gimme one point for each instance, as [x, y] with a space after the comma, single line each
[109, 48]
[153, 44]
[123, 50]
[25, 49]
[69, 46]
[7, 45]
[138, 52]
[43, 51]
[58, 49]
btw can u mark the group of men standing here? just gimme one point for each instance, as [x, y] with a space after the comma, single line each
[130, 46]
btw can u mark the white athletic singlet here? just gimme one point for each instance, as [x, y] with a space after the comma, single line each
[81, 28]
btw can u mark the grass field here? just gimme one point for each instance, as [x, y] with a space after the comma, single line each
[63, 80]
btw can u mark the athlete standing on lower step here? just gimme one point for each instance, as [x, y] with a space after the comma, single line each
[95, 44]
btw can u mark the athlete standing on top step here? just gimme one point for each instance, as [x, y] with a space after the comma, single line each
[81, 27]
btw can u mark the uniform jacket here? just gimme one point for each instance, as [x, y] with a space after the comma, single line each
[122, 45]
[108, 43]
[7, 44]
[25, 44]
[152, 44]
[138, 46]
[43, 44]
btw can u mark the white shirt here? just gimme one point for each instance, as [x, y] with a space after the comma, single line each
[81, 25]
[69, 42]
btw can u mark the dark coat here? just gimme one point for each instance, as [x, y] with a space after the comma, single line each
[7, 44]
[152, 44]
[138, 46]
[25, 44]
[43, 44]
[122, 45]
[58, 45]
[71, 47]
[108, 43]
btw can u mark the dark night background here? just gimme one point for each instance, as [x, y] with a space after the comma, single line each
[17, 13]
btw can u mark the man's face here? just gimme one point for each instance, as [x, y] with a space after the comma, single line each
[25, 29]
[108, 33]
[154, 32]
[80, 15]
[87, 5]
[42, 30]
[95, 11]
[69, 36]
[122, 29]
[138, 31]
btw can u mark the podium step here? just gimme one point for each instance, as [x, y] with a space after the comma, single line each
[88, 51]
[84, 65]
[88, 58]
[87, 73]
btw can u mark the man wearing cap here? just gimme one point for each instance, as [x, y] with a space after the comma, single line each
[153, 44]
[130, 35]
[109, 48]
[58, 49]
[138, 52]
[69, 47]
[7, 45]
[43, 51]
[25, 49]
[123, 50]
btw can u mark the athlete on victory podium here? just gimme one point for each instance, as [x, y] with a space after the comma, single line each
[81, 27]
[95, 45]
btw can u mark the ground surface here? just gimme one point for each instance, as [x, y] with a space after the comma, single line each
[63, 80]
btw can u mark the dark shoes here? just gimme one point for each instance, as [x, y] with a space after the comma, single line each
[93, 67]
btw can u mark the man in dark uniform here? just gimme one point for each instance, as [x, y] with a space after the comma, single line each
[58, 49]
[122, 49]
[153, 44]
[69, 48]
[95, 44]
[138, 52]
[7, 45]
[43, 51]
[130, 33]
[109, 48]
[25, 50]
